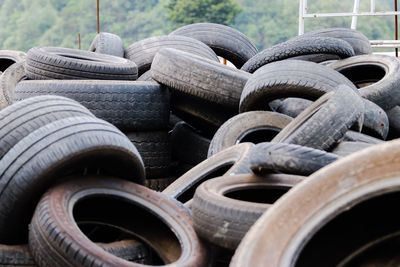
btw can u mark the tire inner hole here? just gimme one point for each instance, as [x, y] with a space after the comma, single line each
[260, 135]
[114, 219]
[5, 63]
[351, 230]
[266, 194]
[364, 75]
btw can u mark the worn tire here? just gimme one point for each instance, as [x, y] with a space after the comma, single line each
[346, 148]
[159, 184]
[8, 81]
[22, 118]
[10, 57]
[225, 208]
[353, 136]
[139, 106]
[253, 126]
[107, 43]
[56, 240]
[188, 145]
[326, 121]
[289, 78]
[380, 70]
[234, 160]
[225, 41]
[146, 77]
[44, 63]
[358, 41]
[64, 147]
[143, 52]
[199, 77]
[299, 47]
[155, 150]
[288, 158]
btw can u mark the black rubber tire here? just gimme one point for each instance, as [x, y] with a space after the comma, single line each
[376, 122]
[8, 81]
[107, 43]
[358, 41]
[17, 255]
[146, 77]
[201, 114]
[139, 106]
[199, 77]
[226, 42]
[44, 63]
[143, 52]
[289, 78]
[376, 76]
[299, 47]
[344, 148]
[225, 208]
[10, 57]
[326, 121]
[264, 124]
[353, 136]
[234, 160]
[64, 147]
[155, 150]
[159, 184]
[22, 118]
[188, 146]
[288, 158]
[394, 122]
[56, 240]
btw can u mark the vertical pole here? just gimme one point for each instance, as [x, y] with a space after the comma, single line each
[354, 19]
[225, 61]
[396, 32]
[79, 40]
[98, 15]
[302, 11]
[372, 6]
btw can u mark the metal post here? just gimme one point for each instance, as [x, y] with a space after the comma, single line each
[372, 6]
[356, 9]
[79, 40]
[98, 15]
[302, 12]
[396, 33]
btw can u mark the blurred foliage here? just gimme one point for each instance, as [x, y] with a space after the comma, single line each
[266, 22]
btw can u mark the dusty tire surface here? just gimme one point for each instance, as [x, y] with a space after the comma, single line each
[225, 41]
[8, 81]
[139, 106]
[107, 43]
[53, 222]
[75, 145]
[44, 63]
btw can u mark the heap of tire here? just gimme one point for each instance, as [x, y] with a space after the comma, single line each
[158, 154]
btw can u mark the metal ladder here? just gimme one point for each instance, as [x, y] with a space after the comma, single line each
[303, 14]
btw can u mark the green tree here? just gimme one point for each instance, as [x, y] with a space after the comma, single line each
[193, 11]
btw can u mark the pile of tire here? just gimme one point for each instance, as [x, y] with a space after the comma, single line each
[159, 154]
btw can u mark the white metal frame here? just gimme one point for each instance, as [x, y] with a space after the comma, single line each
[303, 14]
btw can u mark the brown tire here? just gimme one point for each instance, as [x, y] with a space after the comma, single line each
[225, 208]
[56, 240]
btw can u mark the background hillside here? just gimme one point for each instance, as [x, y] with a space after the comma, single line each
[28, 23]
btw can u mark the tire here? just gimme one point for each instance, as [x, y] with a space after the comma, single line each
[108, 44]
[75, 145]
[225, 41]
[288, 158]
[394, 121]
[326, 121]
[344, 148]
[17, 255]
[146, 77]
[202, 115]
[358, 41]
[199, 77]
[376, 122]
[8, 81]
[159, 184]
[47, 63]
[225, 208]
[359, 200]
[139, 106]
[234, 160]
[155, 150]
[143, 52]
[376, 76]
[10, 57]
[289, 78]
[22, 118]
[299, 47]
[253, 126]
[353, 136]
[188, 146]
[56, 240]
